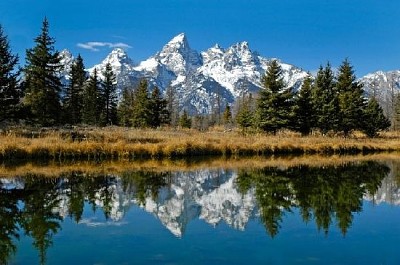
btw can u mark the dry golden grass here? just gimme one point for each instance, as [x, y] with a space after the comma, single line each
[121, 143]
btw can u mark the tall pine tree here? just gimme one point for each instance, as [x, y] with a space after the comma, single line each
[73, 101]
[373, 119]
[325, 100]
[125, 108]
[10, 92]
[91, 110]
[43, 84]
[275, 102]
[158, 106]
[304, 111]
[245, 113]
[172, 105]
[351, 99]
[108, 97]
[141, 107]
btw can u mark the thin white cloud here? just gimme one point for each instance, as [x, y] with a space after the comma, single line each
[95, 45]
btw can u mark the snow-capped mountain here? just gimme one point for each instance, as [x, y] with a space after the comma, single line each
[384, 86]
[121, 65]
[66, 60]
[216, 76]
[202, 80]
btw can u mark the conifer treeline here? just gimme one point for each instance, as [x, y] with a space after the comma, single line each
[329, 103]
[326, 103]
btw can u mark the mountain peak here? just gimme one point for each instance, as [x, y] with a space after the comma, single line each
[117, 56]
[178, 56]
[180, 38]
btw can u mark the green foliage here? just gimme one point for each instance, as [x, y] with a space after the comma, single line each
[275, 102]
[141, 115]
[10, 91]
[43, 83]
[227, 115]
[108, 99]
[373, 119]
[245, 115]
[125, 107]
[322, 193]
[304, 109]
[397, 113]
[158, 108]
[172, 106]
[91, 110]
[325, 100]
[73, 101]
[185, 121]
[351, 99]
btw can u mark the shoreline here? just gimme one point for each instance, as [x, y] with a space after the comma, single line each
[134, 144]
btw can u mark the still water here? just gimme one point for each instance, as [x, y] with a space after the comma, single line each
[336, 214]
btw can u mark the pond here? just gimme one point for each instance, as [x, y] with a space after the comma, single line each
[340, 213]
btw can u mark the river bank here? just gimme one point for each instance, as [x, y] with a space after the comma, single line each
[123, 143]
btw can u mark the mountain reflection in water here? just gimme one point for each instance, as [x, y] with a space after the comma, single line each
[37, 206]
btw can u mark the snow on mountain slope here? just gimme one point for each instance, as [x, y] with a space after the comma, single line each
[203, 81]
[121, 65]
[237, 66]
[384, 86]
[66, 60]
[179, 57]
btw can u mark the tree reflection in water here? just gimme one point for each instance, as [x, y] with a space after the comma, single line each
[322, 193]
[30, 205]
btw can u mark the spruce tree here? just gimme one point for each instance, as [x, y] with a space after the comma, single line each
[325, 100]
[304, 111]
[108, 97]
[227, 115]
[172, 106]
[397, 113]
[10, 92]
[245, 114]
[125, 108]
[158, 107]
[275, 102]
[351, 99]
[185, 121]
[91, 111]
[73, 101]
[141, 108]
[43, 84]
[373, 119]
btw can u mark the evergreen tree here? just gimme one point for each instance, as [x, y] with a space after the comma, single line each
[73, 102]
[43, 83]
[397, 113]
[10, 92]
[245, 114]
[91, 111]
[227, 115]
[108, 97]
[373, 119]
[275, 103]
[351, 99]
[304, 111]
[158, 105]
[172, 106]
[125, 108]
[325, 100]
[141, 107]
[185, 121]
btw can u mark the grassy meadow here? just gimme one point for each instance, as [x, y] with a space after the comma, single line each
[133, 144]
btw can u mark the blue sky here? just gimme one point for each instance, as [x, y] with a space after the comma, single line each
[305, 33]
